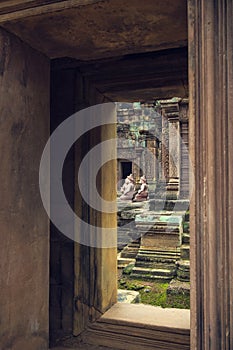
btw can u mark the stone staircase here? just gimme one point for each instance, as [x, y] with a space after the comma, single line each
[160, 245]
[162, 252]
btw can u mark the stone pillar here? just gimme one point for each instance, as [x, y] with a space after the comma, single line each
[171, 128]
[211, 147]
[174, 157]
[164, 148]
[158, 145]
[24, 269]
[151, 159]
[184, 162]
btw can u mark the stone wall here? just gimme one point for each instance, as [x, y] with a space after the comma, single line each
[24, 273]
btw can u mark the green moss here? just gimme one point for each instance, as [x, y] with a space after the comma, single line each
[155, 293]
[128, 269]
[178, 301]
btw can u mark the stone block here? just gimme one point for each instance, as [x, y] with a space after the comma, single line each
[128, 296]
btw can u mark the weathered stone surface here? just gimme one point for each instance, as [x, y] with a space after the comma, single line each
[24, 271]
[102, 29]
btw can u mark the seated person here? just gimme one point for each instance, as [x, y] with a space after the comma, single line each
[128, 188]
[142, 194]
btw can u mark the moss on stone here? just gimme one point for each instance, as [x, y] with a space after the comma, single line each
[155, 293]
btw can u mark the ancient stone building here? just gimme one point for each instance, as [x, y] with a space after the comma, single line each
[136, 135]
[59, 57]
[152, 139]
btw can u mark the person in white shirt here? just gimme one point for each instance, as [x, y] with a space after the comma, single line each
[128, 188]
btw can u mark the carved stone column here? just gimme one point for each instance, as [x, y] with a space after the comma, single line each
[170, 110]
[211, 146]
[165, 147]
[184, 149]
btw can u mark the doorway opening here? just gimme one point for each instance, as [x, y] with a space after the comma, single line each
[86, 86]
[153, 230]
[126, 168]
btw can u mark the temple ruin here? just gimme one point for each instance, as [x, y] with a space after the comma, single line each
[157, 232]
[60, 57]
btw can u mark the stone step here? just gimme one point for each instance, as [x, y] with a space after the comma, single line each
[156, 264]
[151, 251]
[160, 274]
[184, 264]
[123, 262]
[142, 261]
[147, 277]
[130, 253]
[161, 271]
[152, 255]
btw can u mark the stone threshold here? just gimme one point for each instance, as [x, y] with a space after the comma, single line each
[141, 327]
[136, 326]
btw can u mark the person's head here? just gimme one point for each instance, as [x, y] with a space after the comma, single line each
[130, 178]
[127, 181]
[143, 179]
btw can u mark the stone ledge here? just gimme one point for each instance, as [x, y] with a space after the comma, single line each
[148, 316]
[141, 327]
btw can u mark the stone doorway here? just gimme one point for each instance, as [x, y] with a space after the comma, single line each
[126, 168]
[149, 55]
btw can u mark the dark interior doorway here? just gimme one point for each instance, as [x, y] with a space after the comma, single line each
[126, 169]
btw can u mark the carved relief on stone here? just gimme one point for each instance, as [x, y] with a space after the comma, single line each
[165, 148]
[184, 167]
[174, 148]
